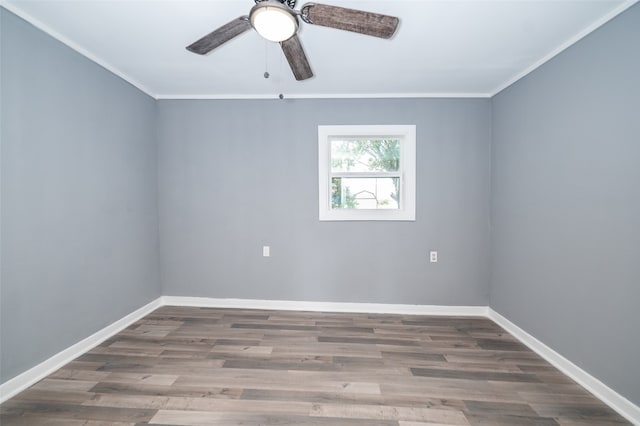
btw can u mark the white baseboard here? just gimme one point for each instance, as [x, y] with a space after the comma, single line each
[35, 374]
[607, 395]
[289, 305]
[616, 401]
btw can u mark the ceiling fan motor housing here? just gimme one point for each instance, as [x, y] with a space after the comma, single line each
[290, 3]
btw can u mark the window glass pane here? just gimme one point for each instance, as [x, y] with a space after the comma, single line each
[365, 155]
[365, 193]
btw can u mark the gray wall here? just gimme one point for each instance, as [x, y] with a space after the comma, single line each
[79, 212]
[79, 209]
[237, 175]
[566, 204]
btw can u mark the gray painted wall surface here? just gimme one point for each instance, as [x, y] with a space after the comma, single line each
[79, 209]
[79, 214]
[237, 175]
[566, 204]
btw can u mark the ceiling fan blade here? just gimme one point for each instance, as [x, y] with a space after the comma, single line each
[358, 21]
[220, 36]
[296, 57]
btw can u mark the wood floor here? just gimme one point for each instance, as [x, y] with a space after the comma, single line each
[197, 366]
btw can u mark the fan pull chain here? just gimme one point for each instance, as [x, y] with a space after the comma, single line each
[266, 60]
[280, 62]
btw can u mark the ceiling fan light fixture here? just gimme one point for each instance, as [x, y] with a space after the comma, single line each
[273, 21]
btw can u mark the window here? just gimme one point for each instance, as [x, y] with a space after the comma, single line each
[367, 172]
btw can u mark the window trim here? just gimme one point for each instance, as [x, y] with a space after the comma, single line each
[407, 136]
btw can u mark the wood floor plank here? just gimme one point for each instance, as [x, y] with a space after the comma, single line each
[500, 408]
[164, 390]
[53, 396]
[475, 375]
[205, 366]
[386, 412]
[346, 398]
[477, 419]
[211, 418]
[74, 412]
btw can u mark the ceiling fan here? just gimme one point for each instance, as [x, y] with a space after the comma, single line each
[277, 21]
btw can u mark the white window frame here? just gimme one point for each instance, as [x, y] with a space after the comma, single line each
[407, 136]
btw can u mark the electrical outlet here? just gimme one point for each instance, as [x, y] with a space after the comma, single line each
[433, 256]
[266, 251]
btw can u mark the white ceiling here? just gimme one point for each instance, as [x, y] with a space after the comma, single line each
[442, 48]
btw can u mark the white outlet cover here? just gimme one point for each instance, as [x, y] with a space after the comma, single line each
[266, 251]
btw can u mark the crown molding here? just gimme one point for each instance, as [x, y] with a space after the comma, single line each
[564, 46]
[76, 47]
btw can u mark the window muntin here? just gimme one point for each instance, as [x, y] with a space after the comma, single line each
[367, 172]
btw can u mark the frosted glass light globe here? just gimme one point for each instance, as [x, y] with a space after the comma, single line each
[273, 21]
